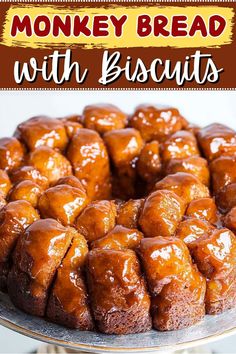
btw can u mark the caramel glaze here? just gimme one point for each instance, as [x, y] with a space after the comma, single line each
[223, 172]
[217, 139]
[5, 183]
[15, 217]
[103, 118]
[68, 300]
[26, 190]
[226, 198]
[72, 125]
[50, 163]
[11, 154]
[215, 255]
[42, 131]
[195, 165]
[63, 203]
[97, 219]
[185, 185]
[29, 173]
[124, 146]
[88, 156]
[119, 299]
[39, 252]
[161, 213]
[176, 221]
[203, 208]
[192, 229]
[230, 220]
[180, 145]
[119, 238]
[156, 123]
[177, 287]
[149, 162]
[128, 213]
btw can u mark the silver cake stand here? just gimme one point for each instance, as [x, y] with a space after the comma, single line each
[210, 329]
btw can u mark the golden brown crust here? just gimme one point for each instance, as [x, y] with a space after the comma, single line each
[42, 131]
[88, 156]
[149, 162]
[5, 183]
[11, 154]
[71, 311]
[185, 185]
[97, 219]
[179, 145]
[15, 217]
[124, 147]
[128, 213]
[103, 118]
[39, 252]
[119, 238]
[156, 123]
[215, 255]
[29, 173]
[203, 208]
[176, 286]
[223, 172]
[63, 203]
[195, 165]
[161, 213]
[119, 298]
[50, 163]
[217, 139]
[26, 190]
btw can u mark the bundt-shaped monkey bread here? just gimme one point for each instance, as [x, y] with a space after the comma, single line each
[119, 223]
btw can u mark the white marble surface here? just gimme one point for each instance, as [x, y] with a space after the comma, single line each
[200, 107]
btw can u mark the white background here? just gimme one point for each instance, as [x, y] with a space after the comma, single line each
[200, 107]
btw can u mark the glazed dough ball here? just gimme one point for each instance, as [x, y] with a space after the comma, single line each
[11, 154]
[72, 125]
[103, 118]
[176, 286]
[50, 163]
[5, 183]
[119, 238]
[215, 256]
[26, 190]
[217, 139]
[193, 228]
[226, 198]
[156, 123]
[29, 173]
[88, 156]
[195, 165]
[97, 219]
[63, 203]
[230, 220]
[42, 131]
[161, 213]
[70, 181]
[203, 208]
[223, 172]
[124, 147]
[149, 162]
[128, 213]
[185, 185]
[179, 145]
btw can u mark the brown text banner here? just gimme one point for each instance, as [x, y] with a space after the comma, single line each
[123, 45]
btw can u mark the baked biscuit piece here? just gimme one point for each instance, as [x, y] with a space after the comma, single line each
[119, 299]
[39, 252]
[177, 287]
